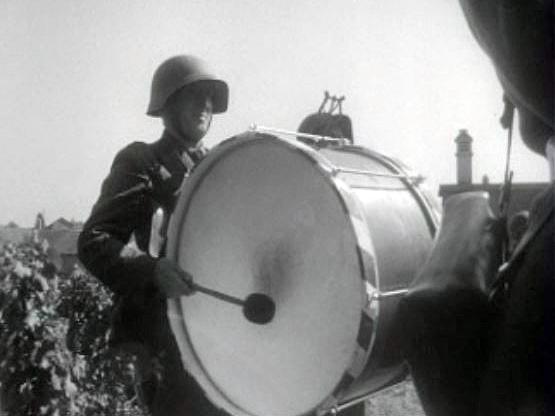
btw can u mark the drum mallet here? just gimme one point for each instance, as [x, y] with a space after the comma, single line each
[257, 307]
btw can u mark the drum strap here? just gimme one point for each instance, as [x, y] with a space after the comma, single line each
[160, 219]
[506, 120]
[502, 284]
[499, 286]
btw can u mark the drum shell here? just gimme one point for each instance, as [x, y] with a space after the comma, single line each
[397, 221]
[402, 219]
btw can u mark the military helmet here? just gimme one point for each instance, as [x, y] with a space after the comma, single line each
[178, 72]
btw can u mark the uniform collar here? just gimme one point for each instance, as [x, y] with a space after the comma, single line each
[169, 140]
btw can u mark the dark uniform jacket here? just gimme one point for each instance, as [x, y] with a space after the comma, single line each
[521, 375]
[143, 178]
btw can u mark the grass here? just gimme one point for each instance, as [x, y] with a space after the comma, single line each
[399, 400]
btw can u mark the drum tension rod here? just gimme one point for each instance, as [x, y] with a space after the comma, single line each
[414, 178]
[317, 138]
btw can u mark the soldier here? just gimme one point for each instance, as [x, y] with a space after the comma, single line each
[518, 38]
[472, 350]
[115, 239]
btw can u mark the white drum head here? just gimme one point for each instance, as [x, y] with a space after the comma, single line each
[260, 215]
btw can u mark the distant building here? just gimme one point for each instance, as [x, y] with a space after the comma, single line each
[60, 239]
[464, 157]
[61, 247]
[10, 234]
[60, 224]
[522, 194]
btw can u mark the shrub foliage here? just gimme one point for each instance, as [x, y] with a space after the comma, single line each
[54, 330]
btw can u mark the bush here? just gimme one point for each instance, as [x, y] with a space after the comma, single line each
[54, 331]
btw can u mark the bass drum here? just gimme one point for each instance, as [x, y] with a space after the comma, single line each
[333, 236]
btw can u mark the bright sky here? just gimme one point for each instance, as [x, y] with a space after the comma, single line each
[75, 79]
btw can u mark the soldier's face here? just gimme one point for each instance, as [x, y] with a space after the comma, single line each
[191, 111]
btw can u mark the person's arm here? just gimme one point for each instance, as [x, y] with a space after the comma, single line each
[124, 205]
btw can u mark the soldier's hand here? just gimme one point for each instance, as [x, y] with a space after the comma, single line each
[171, 280]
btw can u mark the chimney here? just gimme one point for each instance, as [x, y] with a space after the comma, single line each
[464, 157]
